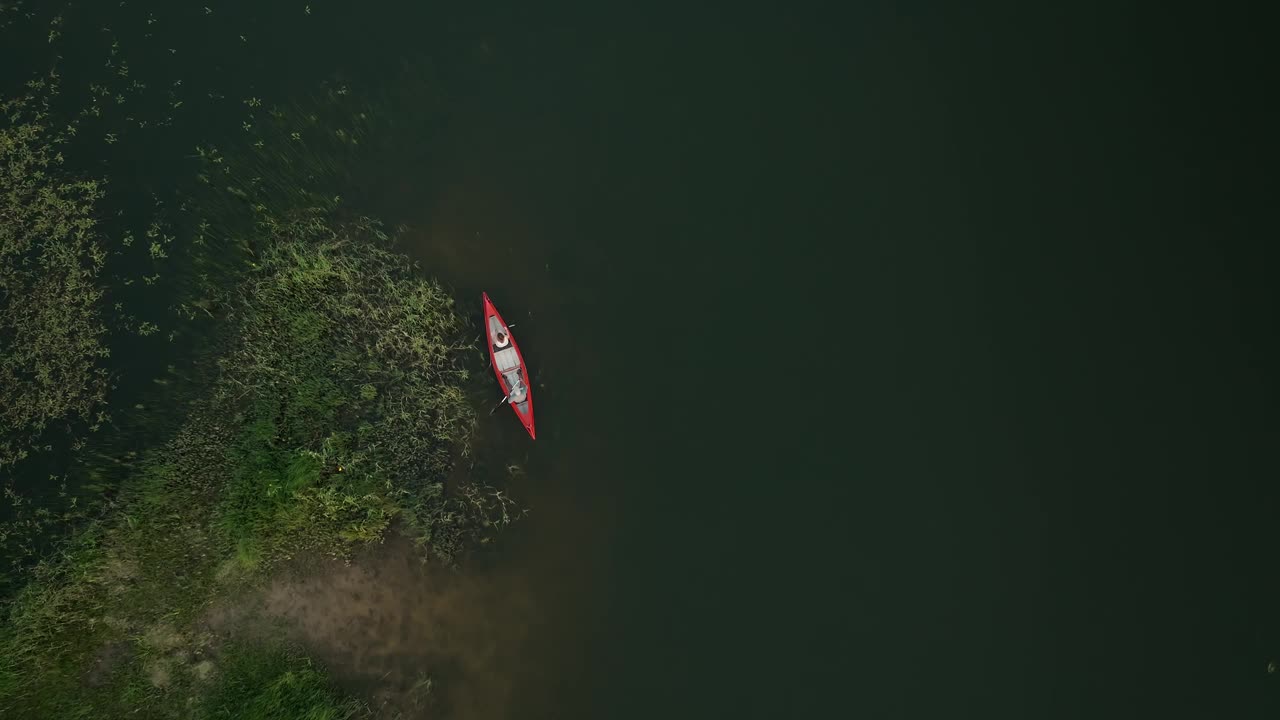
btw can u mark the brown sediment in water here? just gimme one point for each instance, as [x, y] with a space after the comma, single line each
[414, 640]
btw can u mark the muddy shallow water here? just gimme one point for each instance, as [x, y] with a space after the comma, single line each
[385, 622]
[412, 639]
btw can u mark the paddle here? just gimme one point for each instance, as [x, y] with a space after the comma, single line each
[495, 407]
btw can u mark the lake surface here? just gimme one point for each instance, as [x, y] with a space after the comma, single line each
[894, 363]
[893, 366]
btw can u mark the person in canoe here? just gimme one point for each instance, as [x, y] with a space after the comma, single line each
[516, 390]
[500, 339]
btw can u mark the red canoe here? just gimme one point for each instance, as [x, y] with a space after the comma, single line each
[508, 365]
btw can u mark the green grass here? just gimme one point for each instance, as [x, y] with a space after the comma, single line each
[274, 685]
[337, 411]
[51, 253]
[337, 408]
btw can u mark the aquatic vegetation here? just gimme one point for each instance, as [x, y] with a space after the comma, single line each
[63, 296]
[51, 254]
[281, 683]
[356, 362]
[320, 404]
[337, 411]
[59, 241]
[63, 250]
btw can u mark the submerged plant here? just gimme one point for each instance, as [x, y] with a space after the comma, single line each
[328, 404]
[51, 254]
[350, 364]
[337, 410]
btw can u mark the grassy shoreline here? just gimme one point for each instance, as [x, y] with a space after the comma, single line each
[313, 398]
[338, 409]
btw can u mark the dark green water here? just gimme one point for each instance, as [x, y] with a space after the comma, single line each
[894, 363]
